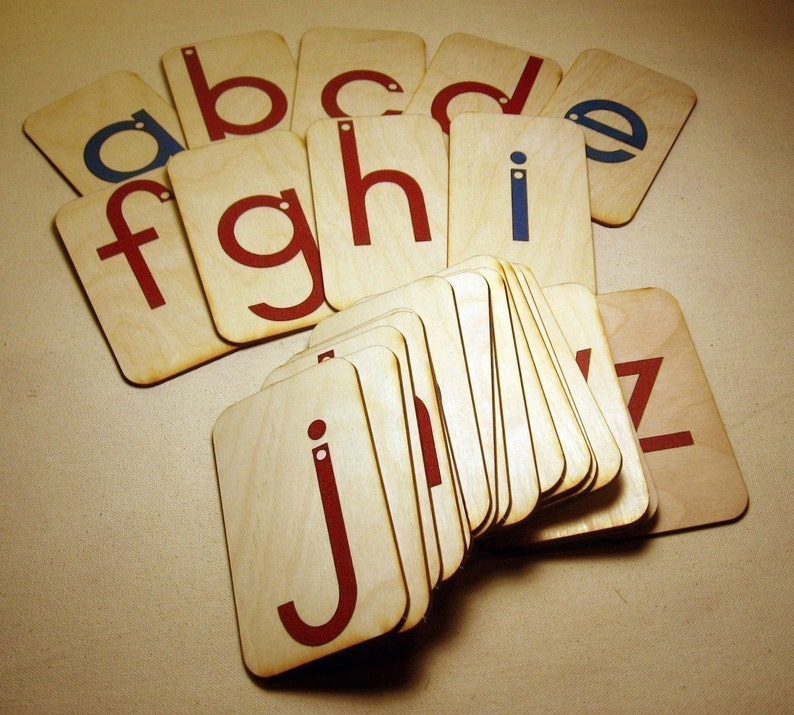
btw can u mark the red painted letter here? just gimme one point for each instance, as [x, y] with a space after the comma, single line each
[330, 94]
[340, 549]
[207, 97]
[301, 242]
[509, 105]
[357, 187]
[130, 243]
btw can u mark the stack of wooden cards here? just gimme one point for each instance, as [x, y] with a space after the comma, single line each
[464, 405]
[432, 226]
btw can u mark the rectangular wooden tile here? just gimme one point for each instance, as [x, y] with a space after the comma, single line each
[631, 116]
[689, 456]
[313, 556]
[518, 190]
[232, 86]
[473, 74]
[382, 384]
[355, 73]
[130, 251]
[247, 208]
[107, 132]
[380, 192]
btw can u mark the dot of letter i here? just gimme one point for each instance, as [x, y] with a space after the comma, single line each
[518, 193]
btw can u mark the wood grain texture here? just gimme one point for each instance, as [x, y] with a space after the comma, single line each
[605, 450]
[396, 444]
[355, 73]
[548, 226]
[697, 483]
[63, 129]
[474, 74]
[450, 527]
[148, 300]
[270, 450]
[620, 180]
[247, 209]
[228, 87]
[380, 192]
[433, 300]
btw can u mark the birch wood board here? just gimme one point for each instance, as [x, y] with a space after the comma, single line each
[604, 448]
[518, 190]
[474, 74]
[130, 251]
[131, 128]
[350, 345]
[631, 117]
[228, 87]
[433, 300]
[689, 456]
[382, 390]
[307, 524]
[355, 73]
[381, 210]
[247, 209]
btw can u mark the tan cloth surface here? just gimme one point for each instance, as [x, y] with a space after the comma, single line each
[115, 593]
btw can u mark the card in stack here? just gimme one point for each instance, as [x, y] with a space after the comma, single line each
[395, 437]
[688, 454]
[247, 208]
[473, 74]
[631, 117]
[231, 86]
[515, 488]
[315, 563]
[537, 366]
[432, 298]
[518, 190]
[107, 132]
[381, 210]
[130, 251]
[625, 500]
[355, 73]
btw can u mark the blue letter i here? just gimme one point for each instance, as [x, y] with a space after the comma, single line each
[518, 189]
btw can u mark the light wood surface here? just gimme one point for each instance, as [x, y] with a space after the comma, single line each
[395, 441]
[381, 209]
[116, 590]
[347, 72]
[551, 231]
[324, 447]
[475, 74]
[689, 457]
[432, 298]
[131, 254]
[625, 165]
[64, 129]
[228, 87]
[247, 209]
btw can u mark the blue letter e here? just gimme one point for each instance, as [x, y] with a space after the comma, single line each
[637, 138]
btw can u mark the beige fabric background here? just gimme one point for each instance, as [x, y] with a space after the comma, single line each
[114, 587]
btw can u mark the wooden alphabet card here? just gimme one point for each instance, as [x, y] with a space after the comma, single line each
[472, 74]
[631, 116]
[232, 86]
[248, 212]
[355, 73]
[130, 251]
[681, 434]
[393, 435]
[381, 209]
[107, 132]
[314, 558]
[518, 190]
